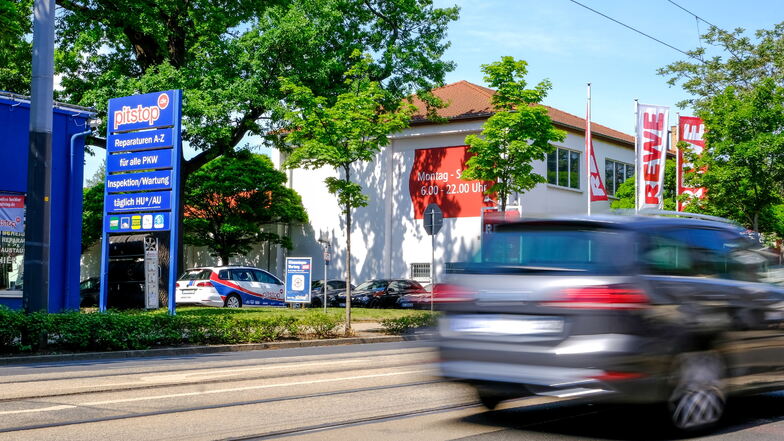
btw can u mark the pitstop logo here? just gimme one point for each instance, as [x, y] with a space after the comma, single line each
[130, 115]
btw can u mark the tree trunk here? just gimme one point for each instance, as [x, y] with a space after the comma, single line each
[756, 222]
[224, 257]
[348, 258]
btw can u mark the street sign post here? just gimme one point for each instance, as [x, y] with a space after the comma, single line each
[433, 219]
[298, 279]
[141, 195]
[151, 273]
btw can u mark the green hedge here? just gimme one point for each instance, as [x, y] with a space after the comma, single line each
[405, 324]
[74, 331]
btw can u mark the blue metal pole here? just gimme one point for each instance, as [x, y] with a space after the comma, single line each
[70, 283]
[175, 209]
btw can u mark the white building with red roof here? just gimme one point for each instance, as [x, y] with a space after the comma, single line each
[423, 164]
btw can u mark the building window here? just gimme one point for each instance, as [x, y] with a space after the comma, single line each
[563, 168]
[420, 271]
[615, 173]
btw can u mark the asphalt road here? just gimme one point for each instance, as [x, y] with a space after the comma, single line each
[376, 392]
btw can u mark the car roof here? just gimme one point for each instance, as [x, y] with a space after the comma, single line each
[213, 268]
[631, 222]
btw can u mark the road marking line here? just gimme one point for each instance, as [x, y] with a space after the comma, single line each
[209, 392]
[42, 409]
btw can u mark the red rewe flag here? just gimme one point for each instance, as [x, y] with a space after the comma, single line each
[651, 154]
[691, 130]
[595, 185]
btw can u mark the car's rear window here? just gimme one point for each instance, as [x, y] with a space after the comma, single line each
[196, 274]
[558, 248]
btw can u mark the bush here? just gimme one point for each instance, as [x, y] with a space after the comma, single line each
[111, 331]
[321, 325]
[403, 325]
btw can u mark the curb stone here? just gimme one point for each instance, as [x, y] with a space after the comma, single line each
[213, 349]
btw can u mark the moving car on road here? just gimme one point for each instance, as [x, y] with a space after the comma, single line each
[635, 309]
[230, 286]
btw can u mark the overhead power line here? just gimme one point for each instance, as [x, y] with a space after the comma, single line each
[635, 30]
[691, 13]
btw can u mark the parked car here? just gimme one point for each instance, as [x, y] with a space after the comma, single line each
[381, 293]
[334, 287]
[632, 309]
[89, 290]
[230, 286]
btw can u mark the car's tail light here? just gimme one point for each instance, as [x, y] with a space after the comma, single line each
[452, 293]
[617, 376]
[177, 284]
[204, 284]
[601, 297]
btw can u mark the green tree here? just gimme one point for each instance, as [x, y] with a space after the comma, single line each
[16, 53]
[230, 199]
[340, 134]
[228, 56]
[92, 215]
[744, 154]
[519, 133]
[625, 193]
[739, 95]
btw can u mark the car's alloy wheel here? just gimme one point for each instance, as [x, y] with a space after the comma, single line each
[233, 301]
[697, 400]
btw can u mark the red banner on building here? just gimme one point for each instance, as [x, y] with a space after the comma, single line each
[435, 177]
[690, 130]
[651, 151]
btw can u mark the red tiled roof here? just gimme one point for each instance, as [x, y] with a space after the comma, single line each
[468, 101]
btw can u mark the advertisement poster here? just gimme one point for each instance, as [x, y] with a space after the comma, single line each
[651, 153]
[435, 178]
[691, 130]
[12, 213]
[298, 279]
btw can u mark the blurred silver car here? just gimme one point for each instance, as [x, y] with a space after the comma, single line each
[629, 308]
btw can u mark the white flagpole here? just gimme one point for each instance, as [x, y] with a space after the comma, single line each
[636, 157]
[588, 139]
[678, 165]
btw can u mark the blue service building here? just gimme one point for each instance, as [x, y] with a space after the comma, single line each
[69, 128]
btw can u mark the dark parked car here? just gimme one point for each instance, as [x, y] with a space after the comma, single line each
[334, 287]
[381, 293]
[635, 309]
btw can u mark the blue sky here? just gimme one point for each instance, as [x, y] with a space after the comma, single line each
[572, 46]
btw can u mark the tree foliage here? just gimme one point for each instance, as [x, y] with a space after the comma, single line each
[230, 199]
[341, 133]
[15, 45]
[92, 214]
[744, 155]
[519, 133]
[228, 55]
[740, 96]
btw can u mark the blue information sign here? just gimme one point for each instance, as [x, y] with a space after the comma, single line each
[147, 111]
[135, 141]
[126, 202]
[144, 181]
[136, 222]
[144, 151]
[298, 279]
[150, 160]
